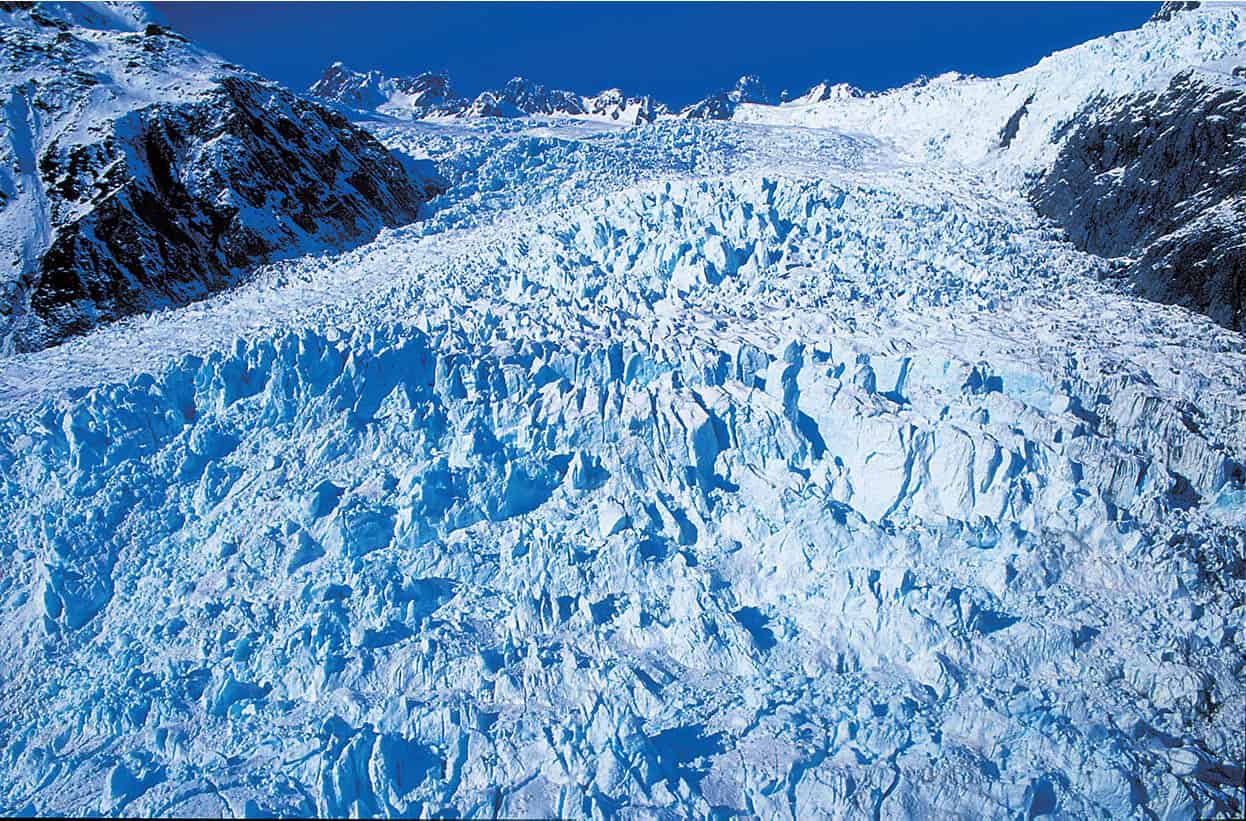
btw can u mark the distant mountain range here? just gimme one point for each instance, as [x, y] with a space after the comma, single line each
[430, 95]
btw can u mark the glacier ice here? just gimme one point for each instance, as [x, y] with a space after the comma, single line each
[687, 469]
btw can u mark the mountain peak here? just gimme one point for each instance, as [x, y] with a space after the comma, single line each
[722, 106]
[749, 89]
[826, 90]
[1168, 9]
[431, 94]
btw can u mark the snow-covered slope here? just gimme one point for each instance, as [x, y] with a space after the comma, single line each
[1159, 178]
[136, 171]
[966, 119]
[697, 469]
[1168, 92]
[826, 90]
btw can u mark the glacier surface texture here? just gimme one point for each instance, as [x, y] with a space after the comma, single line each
[378, 452]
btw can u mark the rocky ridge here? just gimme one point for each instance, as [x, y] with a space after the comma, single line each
[1158, 181]
[139, 172]
[430, 95]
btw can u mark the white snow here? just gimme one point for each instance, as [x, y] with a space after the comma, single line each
[959, 118]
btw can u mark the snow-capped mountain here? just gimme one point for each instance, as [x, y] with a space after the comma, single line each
[826, 90]
[520, 97]
[612, 104]
[722, 106]
[1146, 167]
[140, 172]
[429, 95]
[716, 468]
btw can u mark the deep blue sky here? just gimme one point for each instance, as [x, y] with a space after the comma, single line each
[677, 52]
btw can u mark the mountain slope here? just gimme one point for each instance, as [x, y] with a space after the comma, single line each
[1053, 133]
[722, 106]
[143, 173]
[1160, 179]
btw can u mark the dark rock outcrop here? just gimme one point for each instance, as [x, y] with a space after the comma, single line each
[1010, 129]
[1159, 179]
[1168, 9]
[201, 192]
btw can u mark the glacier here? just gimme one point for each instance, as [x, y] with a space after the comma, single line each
[790, 465]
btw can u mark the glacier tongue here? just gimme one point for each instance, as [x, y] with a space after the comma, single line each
[692, 469]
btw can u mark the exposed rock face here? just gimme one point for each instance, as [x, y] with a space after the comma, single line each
[1009, 132]
[140, 172]
[1160, 179]
[1167, 10]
